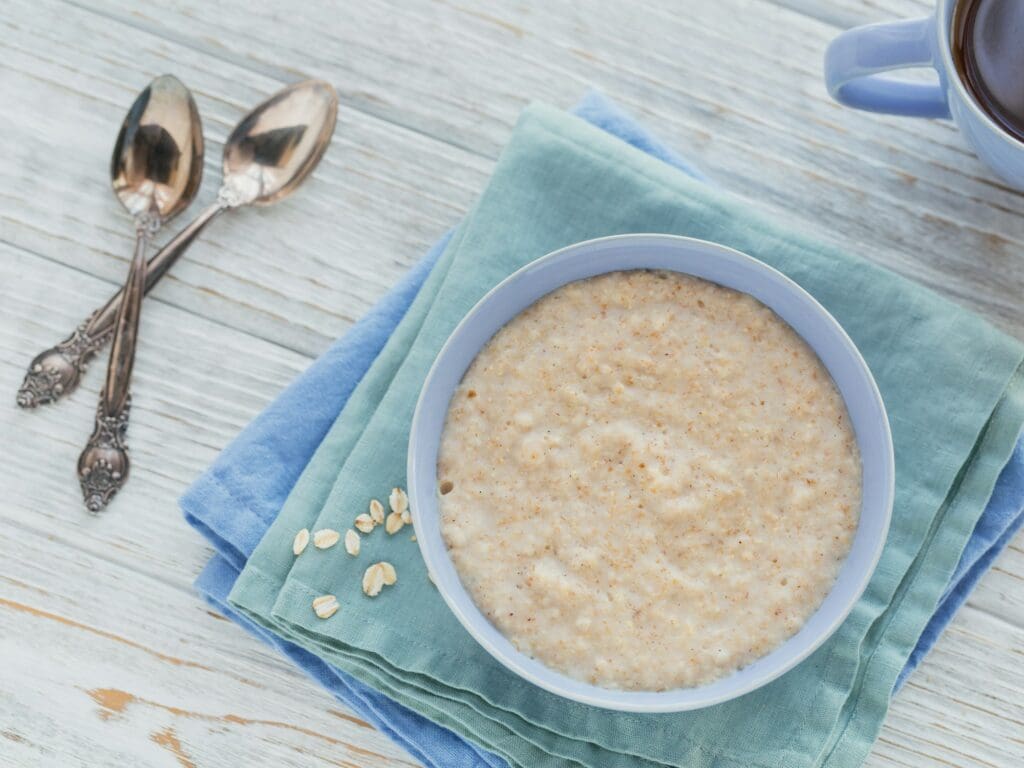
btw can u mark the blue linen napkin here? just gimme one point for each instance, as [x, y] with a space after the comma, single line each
[234, 502]
[1002, 518]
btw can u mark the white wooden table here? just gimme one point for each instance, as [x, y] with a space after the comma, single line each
[107, 657]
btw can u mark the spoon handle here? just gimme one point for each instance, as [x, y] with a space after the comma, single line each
[103, 465]
[56, 371]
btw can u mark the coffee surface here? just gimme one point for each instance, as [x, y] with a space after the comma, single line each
[988, 47]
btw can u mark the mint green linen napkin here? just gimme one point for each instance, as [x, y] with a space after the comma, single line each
[953, 387]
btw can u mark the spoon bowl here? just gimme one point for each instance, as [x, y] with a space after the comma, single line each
[157, 164]
[277, 145]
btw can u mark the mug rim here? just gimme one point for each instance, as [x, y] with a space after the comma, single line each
[943, 18]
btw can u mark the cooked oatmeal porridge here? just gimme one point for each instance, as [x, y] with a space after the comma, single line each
[648, 481]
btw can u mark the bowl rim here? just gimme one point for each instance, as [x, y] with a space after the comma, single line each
[474, 621]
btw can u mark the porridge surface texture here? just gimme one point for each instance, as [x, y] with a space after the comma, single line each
[649, 481]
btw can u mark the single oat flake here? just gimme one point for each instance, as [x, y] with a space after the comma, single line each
[376, 511]
[325, 606]
[394, 523]
[325, 538]
[365, 523]
[300, 541]
[373, 580]
[352, 542]
[398, 500]
[390, 577]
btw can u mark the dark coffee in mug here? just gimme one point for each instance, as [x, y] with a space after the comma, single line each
[988, 49]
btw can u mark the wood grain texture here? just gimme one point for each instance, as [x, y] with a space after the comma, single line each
[106, 655]
[737, 83]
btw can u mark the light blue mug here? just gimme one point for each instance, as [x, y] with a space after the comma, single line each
[855, 60]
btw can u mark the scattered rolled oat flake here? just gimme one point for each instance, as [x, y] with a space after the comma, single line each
[373, 580]
[394, 523]
[300, 541]
[352, 542]
[325, 538]
[365, 523]
[390, 577]
[376, 511]
[398, 500]
[407, 517]
[325, 606]
[413, 537]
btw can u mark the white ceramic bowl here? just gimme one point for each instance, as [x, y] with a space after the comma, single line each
[720, 265]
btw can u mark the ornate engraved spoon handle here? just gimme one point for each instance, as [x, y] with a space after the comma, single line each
[57, 371]
[103, 465]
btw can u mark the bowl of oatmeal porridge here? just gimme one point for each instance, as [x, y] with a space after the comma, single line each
[650, 473]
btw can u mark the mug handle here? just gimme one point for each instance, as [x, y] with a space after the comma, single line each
[854, 59]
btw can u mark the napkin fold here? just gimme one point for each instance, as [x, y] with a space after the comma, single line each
[558, 182]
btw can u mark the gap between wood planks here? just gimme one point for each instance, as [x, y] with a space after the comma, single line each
[158, 299]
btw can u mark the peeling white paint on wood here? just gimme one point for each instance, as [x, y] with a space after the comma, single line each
[108, 658]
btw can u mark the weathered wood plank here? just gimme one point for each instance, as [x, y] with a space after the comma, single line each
[106, 666]
[297, 273]
[851, 13]
[186, 407]
[963, 706]
[905, 193]
[109, 656]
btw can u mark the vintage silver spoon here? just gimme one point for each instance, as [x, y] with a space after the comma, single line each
[156, 170]
[268, 154]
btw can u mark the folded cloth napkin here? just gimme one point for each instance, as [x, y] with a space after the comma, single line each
[234, 502]
[918, 563]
